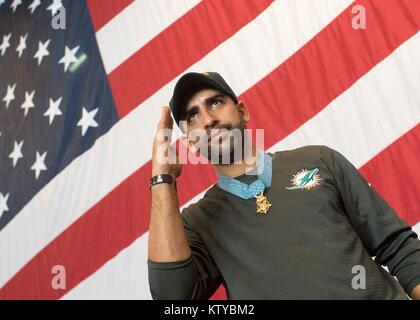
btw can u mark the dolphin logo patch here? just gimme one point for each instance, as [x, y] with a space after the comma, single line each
[305, 179]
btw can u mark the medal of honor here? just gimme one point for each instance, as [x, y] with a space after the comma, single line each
[255, 189]
[262, 203]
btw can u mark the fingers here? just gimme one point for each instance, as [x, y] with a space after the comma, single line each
[165, 119]
[173, 154]
[164, 128]
[188, 143]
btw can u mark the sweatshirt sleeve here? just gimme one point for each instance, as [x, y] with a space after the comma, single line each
[386, 237]
[195, 278]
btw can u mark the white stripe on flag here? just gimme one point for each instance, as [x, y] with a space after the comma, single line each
[416, 229]
[136, 25]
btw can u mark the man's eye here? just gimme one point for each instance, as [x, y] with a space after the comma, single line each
[192, 117]
[216, 103]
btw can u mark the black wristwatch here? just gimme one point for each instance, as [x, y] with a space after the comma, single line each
[161, 178]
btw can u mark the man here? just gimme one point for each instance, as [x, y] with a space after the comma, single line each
[297, 224]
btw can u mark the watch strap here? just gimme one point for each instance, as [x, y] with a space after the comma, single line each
[161, 178]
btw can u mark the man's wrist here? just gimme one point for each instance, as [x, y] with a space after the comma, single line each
[157, 169]
[162, 178]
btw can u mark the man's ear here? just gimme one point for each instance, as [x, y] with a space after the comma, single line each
[243, 110]
[187, 143]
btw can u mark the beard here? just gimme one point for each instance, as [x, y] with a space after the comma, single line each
[226, 149]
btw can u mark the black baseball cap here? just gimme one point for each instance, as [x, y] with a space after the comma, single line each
[190, 82]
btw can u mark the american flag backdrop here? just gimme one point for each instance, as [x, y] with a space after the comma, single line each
[79, 108]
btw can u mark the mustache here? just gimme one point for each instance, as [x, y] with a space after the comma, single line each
[199, 135]
[226, 126]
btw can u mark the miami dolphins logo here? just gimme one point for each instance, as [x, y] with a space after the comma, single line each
[305, 179]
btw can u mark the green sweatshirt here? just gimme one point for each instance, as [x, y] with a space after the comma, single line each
[317, 240]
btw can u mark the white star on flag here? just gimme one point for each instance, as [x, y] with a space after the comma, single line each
[28, 102]
[42, 51]
[16, 154]
[39, 164]
[3, 203]
[22, 44]
[5, 44]
[55, 6]
[15, 4]
[34, 5]
[87, 120]
[10, 95]
[53, 109]
[69, 57]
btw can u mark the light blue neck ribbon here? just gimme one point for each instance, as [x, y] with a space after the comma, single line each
[243, 190]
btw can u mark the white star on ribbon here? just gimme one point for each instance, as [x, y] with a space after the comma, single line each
[34, 5]
[55, 6]
[69, 57]
[39, 164]
[16, 154]
[10, 95]
[5, 44]
[3, 203]
[28, 102]
[15, 4]
[87, 120]
[42, 51]
[53, 109]
[22, 44]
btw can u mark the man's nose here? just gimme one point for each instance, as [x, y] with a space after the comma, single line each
[209, 120]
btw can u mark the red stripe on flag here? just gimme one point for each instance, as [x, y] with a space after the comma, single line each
[102, 11]
[183, 43]
[399, 185]
[87, 245]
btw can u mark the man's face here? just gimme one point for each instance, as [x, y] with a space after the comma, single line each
[214, 124]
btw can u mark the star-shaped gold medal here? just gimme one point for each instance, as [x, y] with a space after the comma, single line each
[262, 203]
